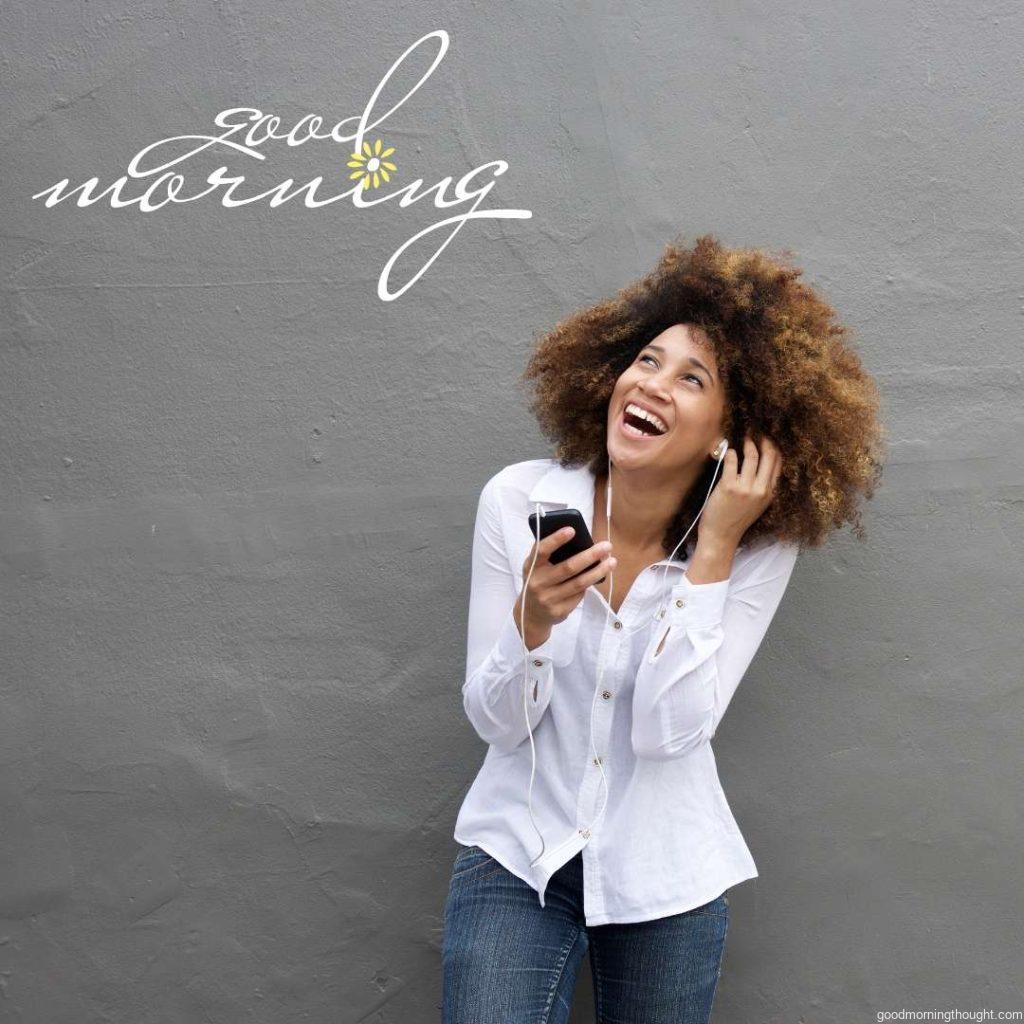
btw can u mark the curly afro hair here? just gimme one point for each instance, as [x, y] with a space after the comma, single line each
[787, 370]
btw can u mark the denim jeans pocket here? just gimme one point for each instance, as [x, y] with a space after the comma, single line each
[470, 859]
[718, 907]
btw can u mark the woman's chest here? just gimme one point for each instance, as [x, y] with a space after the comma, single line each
[621, 584]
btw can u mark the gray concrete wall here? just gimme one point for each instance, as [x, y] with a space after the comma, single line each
[238, 488]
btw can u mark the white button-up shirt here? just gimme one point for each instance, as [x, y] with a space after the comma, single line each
[666, 840]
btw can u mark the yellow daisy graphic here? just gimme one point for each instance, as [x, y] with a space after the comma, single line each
[371, 164]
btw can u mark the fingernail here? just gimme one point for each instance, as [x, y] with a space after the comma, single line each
[568, 531]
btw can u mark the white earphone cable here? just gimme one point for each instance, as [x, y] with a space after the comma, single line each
[526, 685]
[598, 760]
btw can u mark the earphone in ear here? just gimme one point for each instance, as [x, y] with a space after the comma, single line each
[723, 447]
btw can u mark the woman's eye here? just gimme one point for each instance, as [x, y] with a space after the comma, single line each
[689, 376]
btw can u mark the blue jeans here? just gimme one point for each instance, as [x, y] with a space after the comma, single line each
[507, 960]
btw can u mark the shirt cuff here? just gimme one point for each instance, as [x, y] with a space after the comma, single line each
[510, 647]
[698, 604]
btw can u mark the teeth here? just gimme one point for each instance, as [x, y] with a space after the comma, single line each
[635, 410]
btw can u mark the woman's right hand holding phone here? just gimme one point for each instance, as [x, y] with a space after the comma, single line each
[555, 589]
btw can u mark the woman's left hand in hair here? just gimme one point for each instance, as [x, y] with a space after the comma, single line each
[741, 494]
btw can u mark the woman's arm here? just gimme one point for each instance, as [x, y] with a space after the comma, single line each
[492, 693]
[701, 650]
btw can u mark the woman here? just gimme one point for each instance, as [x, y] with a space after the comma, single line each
[597, 820]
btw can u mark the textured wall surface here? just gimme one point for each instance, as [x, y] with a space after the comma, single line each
[237, 491]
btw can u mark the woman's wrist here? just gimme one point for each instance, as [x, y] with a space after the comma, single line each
[532, 636]
[712, 558]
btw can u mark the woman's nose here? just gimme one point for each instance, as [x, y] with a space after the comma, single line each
[653, 385]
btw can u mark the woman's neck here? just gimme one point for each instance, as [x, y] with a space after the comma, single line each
[642, 509]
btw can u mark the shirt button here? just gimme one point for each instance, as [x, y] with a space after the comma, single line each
[618, 625]
[680, 602]
[538, 662]
[606, 694]
[597, 760]
[585, 832]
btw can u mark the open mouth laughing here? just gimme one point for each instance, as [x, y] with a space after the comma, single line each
[641, 423]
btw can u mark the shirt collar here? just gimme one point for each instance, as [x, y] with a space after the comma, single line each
[575, 487]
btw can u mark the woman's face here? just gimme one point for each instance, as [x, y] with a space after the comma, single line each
[687, 401]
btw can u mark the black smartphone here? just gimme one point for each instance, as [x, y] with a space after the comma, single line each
[552, 522]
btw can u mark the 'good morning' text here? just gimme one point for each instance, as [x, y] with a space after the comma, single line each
[246, 129]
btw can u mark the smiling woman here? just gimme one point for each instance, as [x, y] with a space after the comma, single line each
[603, 677]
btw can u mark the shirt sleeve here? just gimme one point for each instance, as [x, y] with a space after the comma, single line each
[497, 680]
[701, 650]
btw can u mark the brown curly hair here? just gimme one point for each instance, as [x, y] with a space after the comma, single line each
[785, 363]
